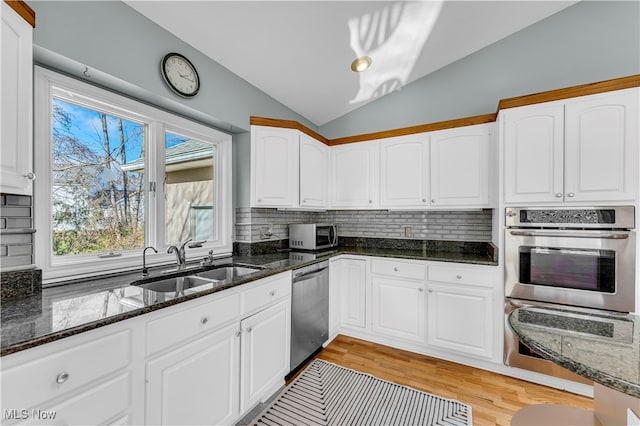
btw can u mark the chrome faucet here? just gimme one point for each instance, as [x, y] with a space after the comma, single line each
[181, 259]
[145, 271]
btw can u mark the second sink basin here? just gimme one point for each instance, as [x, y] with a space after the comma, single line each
[227, 272]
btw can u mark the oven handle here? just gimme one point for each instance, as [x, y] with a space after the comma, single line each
[619, 236]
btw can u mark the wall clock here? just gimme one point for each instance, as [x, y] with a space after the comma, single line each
[180, 75]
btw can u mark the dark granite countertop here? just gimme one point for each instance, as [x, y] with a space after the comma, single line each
[82, 305]
[603, 347]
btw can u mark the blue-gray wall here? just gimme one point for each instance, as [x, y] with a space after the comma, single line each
[585, 43]
[123, 49]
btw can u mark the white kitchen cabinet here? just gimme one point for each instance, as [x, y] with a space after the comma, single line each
[274, 167]
[196, 383]
[461, 310]
[314, 173]
[459, 166]
[579, 150]
[265, 354]
[352, 283]
[88, 378]
[16, 143]
[601, 147]
[404, 171]
[355, 174]
[334, 297]
[399, 308]
[399, 299]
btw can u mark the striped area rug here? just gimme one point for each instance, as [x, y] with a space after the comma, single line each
[327, 394]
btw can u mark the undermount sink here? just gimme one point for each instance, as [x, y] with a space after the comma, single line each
[203, 280]
[176, 284]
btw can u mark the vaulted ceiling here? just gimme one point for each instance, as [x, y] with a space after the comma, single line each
[300, 52]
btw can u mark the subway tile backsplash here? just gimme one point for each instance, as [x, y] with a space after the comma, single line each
[254, 224]
[16, 233]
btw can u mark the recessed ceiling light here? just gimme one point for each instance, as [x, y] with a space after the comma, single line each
[361, 64]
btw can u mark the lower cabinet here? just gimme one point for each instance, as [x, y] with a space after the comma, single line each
[89, 378]
[196, 383]
[460, 315]
[265, 344]
[434, 308]
[353, 291]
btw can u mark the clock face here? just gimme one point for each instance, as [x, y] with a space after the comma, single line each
[180, 75]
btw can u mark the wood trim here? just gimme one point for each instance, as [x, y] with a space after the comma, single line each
[287, 124]
[449, 124]
[23, 10]
[536, 98]
[572, 92]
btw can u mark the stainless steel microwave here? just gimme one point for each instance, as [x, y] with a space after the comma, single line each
[312, 236]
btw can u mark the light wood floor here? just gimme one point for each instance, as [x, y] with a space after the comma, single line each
[494, 397]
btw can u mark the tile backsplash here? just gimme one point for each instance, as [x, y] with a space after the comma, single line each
[16, 230]
[254, 224]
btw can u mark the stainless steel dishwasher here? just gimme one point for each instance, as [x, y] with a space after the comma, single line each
[309, 311]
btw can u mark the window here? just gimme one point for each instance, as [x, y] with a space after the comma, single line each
[116, 176]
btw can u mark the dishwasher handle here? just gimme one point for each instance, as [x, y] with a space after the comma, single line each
[308, 276]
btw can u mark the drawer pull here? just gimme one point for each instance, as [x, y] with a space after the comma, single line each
[430, 291]
[459, 276]
[204, 320]
[272, 293]
[62, 377]
[420, 290]
[249, 330]
[396, 269]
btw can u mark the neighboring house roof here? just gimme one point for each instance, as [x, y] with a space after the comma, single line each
[189, 150]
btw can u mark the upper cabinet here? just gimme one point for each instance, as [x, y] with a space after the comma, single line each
[579, 150]
[404, 171]
[16, 147]
[274, 167]
[314, 173]
[460, 166]
[355, 175]
[289, 169]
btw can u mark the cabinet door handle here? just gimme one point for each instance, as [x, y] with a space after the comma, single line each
[420, 290]
[30, 176]
[571, 194]
[424, 200]
[204, 320]
[395, 269]
[238, 333]
[459, 276]
[272, 293]
[559, 195]
[430, 291]
[62, 377]
[433, 201]
[249, 330]
[370, 201]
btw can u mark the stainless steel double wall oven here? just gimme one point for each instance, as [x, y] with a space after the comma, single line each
[581, 258]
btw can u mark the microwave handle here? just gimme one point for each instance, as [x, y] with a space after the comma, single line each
[333, 235]
[613, 236]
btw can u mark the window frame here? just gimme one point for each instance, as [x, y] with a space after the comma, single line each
[47, 84]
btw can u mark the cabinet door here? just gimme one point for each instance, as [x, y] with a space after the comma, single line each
[459, 319]
[399, 308]
[314, 172]
[601, 147]
[196, 383]
[274, 167]
[355, 175]
[404, 171]
[460, 166]
[266, 338]
[533, 153]
[16, 147]
[334, 297]
[353, 286]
